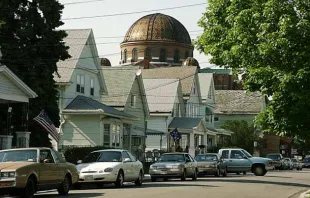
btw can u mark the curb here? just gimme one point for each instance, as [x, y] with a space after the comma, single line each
[303, 195]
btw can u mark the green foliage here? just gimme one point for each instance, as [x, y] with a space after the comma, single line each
[244, 134]
[31, 47]
[269, 41]
[73, 154]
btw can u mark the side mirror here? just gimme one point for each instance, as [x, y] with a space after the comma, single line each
[79, 162]
[46, 161]
[245, 157]
[127, 160]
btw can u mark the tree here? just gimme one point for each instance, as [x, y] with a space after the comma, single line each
[31, 47]
[244, 134]
[268, 40]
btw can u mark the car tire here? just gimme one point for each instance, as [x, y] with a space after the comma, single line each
[218, 172]
[195, 176]
[225, 173]
[119, 180]
[29, 189]
[65, 186]
[153, 179]
[183, 177]
[259, 171]
[139, 181]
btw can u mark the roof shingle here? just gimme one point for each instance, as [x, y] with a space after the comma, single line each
[184, 123]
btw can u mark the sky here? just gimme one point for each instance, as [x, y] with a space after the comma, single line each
[117, 26]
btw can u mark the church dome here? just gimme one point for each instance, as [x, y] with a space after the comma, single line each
[157, 27]
[190, 61]
[105, 62]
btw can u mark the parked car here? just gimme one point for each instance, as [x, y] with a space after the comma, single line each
[239, 160]
[277, 160]
[211, 163]
[306, 162]
[174, 165]
[28, 170]
[288, 164]
[110, 166]
[296, 164]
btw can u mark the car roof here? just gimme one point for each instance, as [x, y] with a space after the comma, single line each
[174, 153]
[116, 150]
[208, 154]
[231, 149]
[22, 149]
[273, 154]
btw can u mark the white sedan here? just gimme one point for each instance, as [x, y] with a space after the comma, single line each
[110, 166]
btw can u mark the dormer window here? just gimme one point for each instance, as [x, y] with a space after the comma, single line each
[133, 101]
[80, 83]
[92, 89]
[194, 89]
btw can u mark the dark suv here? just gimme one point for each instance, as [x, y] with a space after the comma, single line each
[277, 160]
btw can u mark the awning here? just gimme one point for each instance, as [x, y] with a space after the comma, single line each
[154, 132]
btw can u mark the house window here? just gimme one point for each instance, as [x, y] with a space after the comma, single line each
[209, 93]
[106, 135]
[92, 87]
[133, 101]
[116, 135]
[162, 57]
[148, 54]
[216, 119]
[80, 83]
[194, 89]
[208, 115]
[125, 56]
[176, 57]
[135, 55]
[186, 55]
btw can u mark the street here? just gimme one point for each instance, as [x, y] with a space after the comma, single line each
[276, 184]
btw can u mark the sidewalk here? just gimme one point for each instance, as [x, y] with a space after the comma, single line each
[305, 194]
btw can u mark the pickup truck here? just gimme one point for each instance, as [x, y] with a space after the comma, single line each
[239, 160]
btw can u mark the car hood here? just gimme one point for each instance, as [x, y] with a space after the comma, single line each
[14, 165]
[96, 166]
[167, 163]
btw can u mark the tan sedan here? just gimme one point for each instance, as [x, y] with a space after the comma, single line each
[28, 170]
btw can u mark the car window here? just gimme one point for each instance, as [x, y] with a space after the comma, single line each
[46, 155]
[172, 158]
[236, 154]
[132, 157]
[206, 157]
[273, 156]
[103, 156]
[125, 155]
[225, 154]
[192, 159]
[58, 158]
[187, 158]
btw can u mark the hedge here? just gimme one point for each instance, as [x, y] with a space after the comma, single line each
[73, 154]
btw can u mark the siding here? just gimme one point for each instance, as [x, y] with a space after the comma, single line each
[192, 109]
[85, 132]
[158, 124]
[9, 91]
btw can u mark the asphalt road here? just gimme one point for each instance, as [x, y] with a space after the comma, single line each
[276, 184]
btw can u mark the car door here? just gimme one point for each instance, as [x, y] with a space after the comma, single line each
[190, 167]
[48, 170]
[136, 166]
[60, 167]
[127, 166]
[239, 162]
[226, 157]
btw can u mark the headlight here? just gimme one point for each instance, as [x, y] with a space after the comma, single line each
[8, 174]
[173, 166]
[108, 170]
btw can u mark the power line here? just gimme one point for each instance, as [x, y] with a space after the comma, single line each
[81, 2]
[130, 13]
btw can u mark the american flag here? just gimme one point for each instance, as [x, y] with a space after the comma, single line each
[175, 134]
[46, 122]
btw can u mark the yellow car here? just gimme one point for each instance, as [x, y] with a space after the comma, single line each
[25, 171]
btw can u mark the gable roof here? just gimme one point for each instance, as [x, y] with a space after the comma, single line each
[238, 102]
[119, 81]
[161, 94]
[186, 76]
[205, 82]
[184, 123]
[17, 81]
[82, 103]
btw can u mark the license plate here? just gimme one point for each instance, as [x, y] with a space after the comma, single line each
[89, 177]
[6, 184]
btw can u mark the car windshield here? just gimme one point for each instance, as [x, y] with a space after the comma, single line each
[18, 156]
[306, 160]
[246, 153]
[172, 158]
[274, 157]
[286, 159]
[104, 156]
[206, 158]
[294, 160]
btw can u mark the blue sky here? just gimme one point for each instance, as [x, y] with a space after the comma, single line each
[118, 25]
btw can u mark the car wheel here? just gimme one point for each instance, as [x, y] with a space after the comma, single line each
[194, 178]
[29, 190]
[224, 174]
[218, 172]
[65, 186]
[139, 181]
[183, 177]
[259, 171]
[153, 179]
[120, 179]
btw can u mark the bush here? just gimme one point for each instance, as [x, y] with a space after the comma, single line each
[73, 154]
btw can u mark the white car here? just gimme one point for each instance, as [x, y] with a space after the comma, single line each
[110, 166]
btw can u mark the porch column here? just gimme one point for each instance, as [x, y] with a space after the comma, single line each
[192, 144]
[215, 140]
[5, 142]
[205, 142]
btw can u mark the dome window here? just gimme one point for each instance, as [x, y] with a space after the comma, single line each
[148, 54]
[176, 57]
[163, 55]
[135, 54]
[125, 56]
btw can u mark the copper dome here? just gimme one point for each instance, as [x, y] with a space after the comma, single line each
[190, 61]
[158, 27]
